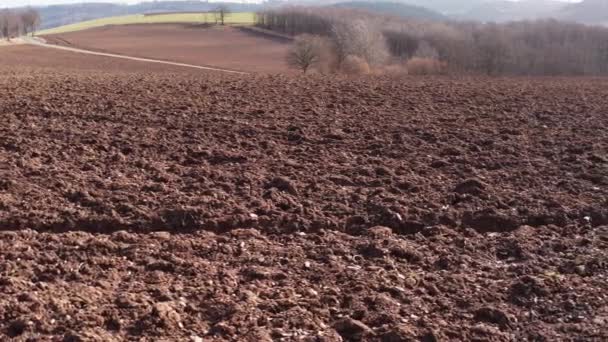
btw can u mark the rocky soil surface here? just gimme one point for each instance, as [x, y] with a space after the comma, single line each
[173, 206]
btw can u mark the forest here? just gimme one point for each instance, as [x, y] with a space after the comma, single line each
[540, 47]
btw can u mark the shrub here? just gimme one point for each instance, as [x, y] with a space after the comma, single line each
[359, 38]
[392, 70]
[424, 66]
[355, 65]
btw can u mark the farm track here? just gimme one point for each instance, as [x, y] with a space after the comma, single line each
[222, 207]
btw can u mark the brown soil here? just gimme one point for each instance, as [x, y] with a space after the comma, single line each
[225, 47]
[215, 207]
[29, 59]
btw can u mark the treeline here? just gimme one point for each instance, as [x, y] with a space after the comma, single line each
[544, 47]
[14, 23]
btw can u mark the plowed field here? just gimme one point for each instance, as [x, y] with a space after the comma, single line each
[164, 206]
[28, 60]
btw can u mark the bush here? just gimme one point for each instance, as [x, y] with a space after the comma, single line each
[424, 66]
[392, 70]
[355, 65]
[359, 38]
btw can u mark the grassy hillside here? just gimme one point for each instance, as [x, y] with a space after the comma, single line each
[234, 18]
[60, 15]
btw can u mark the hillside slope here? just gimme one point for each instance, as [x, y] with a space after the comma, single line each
[393, 8]
[59, 15]
[501, 11]
[134, 19]
[446, 7]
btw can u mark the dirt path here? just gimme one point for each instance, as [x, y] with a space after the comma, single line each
[42, 43]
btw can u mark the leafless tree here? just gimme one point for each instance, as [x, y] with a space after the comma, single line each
[14, 23]
[4, 24]
[304, 53]
[221, 13]
[9, 24]
[401, 44]
[359, 38]
[30, 19]
[602, 56]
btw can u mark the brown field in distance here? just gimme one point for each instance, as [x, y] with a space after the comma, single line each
[42, 60]
[226, 47]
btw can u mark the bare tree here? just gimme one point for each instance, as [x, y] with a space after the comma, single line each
[304, 53]
[359, 38]
[4, 24]
[603, 58]
[15, 26]
[492, 50]
[221, 13]
[401, 43]
[9, 24]
[30, 19]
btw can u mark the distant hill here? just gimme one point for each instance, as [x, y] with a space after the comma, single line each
[445, 7]
[501, 11]
[448, 7]
[393, 8]
[587, 11]
[59, 15]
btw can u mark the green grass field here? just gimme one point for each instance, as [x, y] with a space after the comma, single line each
[233, 18]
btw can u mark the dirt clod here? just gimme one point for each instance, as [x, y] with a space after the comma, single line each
[16, 328]
[487, 221]
[167, 315]
[352, 329]
[470, 186]
[492, 315]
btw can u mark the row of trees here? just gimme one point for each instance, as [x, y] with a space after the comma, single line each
[545, 47]
[15, 23]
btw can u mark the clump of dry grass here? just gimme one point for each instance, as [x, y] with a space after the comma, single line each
[355, 65]
[424, 66]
